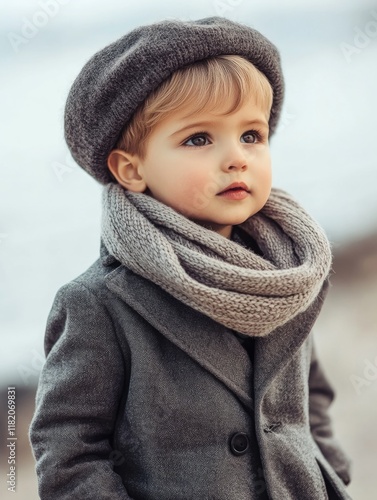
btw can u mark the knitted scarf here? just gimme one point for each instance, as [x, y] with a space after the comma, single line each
[244, 291]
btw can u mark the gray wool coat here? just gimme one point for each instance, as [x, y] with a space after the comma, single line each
[143, 397]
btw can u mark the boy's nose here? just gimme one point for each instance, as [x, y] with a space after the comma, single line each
[233, 155]
[236, 165]
[235, 162]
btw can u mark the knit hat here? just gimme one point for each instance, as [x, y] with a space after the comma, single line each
[118, 78]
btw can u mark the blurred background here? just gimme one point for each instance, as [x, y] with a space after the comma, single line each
[324, 153]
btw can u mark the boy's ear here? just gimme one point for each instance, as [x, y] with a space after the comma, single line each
[125, 168]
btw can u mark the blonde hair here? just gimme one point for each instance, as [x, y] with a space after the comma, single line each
[201, 86]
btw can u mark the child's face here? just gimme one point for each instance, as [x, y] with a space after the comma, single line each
[191, 164]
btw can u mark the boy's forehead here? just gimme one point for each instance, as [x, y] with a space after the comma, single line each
[248, 113]
[249, 105]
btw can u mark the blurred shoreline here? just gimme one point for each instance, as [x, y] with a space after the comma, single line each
[346, 336]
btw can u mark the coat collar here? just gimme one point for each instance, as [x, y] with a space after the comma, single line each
[212, 345]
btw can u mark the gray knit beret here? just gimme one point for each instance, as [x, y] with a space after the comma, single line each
[118, 78]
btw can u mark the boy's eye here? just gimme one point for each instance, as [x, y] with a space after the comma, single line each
[197, 140]
[251, 137]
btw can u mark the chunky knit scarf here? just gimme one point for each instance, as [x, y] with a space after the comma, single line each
[244, 291]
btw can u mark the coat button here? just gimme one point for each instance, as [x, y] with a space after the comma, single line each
[239, 443]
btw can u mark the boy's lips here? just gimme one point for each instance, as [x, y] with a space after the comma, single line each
[235, 191]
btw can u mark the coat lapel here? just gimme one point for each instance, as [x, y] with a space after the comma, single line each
[275, 351]
[210, 344]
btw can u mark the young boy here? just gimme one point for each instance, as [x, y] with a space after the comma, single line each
[181, 364]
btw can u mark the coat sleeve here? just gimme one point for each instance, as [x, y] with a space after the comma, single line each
[321, 395]
[77, 399]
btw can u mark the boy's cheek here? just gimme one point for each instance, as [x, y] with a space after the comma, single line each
[202, 197]
[189, 198]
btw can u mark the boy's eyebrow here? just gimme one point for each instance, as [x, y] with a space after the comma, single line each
[258, 122]
[193, 125]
